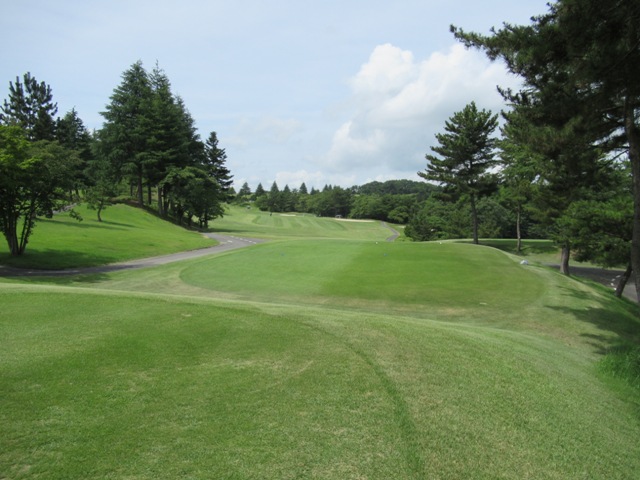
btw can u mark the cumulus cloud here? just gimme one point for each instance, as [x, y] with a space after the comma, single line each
[398, 104]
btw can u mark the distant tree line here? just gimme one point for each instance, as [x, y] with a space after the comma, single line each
[391, 201]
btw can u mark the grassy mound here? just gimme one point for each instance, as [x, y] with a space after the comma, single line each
[352, 273]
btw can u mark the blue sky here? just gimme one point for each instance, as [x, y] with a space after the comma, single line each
[325, 92]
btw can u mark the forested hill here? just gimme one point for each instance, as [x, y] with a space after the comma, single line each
[396, 187]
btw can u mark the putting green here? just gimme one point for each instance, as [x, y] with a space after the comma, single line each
[429, 274]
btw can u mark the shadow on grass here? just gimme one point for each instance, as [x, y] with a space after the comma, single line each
[621, 319]
[105, 224]
[108, 222]
[54, 259]
[529, 247]
[65, 279]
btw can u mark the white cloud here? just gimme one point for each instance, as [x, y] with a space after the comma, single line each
[398, 105]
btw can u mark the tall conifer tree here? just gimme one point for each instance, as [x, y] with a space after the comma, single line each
[126, 130]
[215, 163]
[464, 154]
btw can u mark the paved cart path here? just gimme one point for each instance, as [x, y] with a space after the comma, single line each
[608, 278]
[395, 233]
[227, 242]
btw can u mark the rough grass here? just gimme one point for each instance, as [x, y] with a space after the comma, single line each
[119, 385]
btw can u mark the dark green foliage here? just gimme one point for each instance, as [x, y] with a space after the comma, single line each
[495, 221]
[393, 208]
[150, 138]
[331, 202]
[102, 184]
[244, 194]
[215, 164]
[274, 199]
[439, 220]
[126, 130]
[74, 136]
[602, 230]
[34, 177]
[192, 193]
[30, 105]
[396, 187]
[260, 192]
[36, 171]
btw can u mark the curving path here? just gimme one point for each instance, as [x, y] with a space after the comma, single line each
[395, 233]
[227, 242]
[607, 277]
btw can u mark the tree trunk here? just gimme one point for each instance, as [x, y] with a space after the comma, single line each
[160, 203]
[140, 191]
[149, 195]
[623, 281]
[474, 217]
[11, 234]
[518, 233]
[631, 131]
[564, 260]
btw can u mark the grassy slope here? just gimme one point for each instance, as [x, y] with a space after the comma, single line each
[124, 234]
[486, 370]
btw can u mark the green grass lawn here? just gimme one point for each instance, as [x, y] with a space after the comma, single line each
[317, 357]
[125, 233]
[394, 275]
[254, 223]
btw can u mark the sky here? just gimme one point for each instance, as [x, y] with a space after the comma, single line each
[325, 92]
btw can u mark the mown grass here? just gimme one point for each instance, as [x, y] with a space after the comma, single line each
[254, 223]
[120, 385]
[392, 275]
[124, 234]
[318, 358]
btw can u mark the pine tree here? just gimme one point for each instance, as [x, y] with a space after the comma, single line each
[215, 159]
[244, 194]
[127, 126]
[30, 105]
[465, 153]
[260, 192]
[73, 135]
